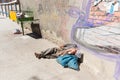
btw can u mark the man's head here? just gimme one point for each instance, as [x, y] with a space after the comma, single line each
[75, 46]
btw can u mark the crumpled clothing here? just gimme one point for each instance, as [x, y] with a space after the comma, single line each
[68, 60]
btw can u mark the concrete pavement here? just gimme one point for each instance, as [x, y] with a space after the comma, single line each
[17, 60]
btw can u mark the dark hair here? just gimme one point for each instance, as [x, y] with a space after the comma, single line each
[75, 46]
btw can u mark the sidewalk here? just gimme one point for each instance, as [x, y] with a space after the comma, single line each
[17, 60]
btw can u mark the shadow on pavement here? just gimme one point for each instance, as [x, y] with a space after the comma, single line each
[35, 78]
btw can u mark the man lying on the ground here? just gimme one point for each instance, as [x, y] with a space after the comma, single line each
[57, 51]
[67, 55]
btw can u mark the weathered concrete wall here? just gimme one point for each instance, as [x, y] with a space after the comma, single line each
[53, 16]
[102, 68]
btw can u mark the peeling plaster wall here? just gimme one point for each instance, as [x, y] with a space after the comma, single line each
[53, 16]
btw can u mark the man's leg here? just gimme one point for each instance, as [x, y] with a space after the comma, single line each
[46, 53]
[38, 55]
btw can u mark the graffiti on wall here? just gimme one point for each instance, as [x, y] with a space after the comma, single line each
[40, 9]
[105, 11]
[61, 6]
[97, 29]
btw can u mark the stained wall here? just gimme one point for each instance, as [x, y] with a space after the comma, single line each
[53, 17]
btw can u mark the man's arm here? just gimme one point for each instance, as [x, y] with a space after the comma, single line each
[69, 51]
[69, 45]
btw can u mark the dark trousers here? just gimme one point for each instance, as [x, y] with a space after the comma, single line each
[50, 53]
